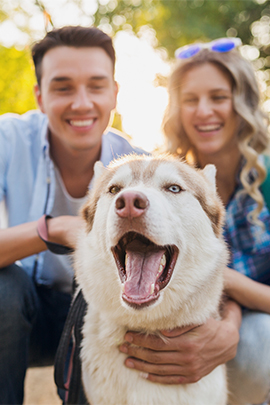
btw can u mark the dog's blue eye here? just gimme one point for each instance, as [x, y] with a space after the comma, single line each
[174, 188]
[114, 189]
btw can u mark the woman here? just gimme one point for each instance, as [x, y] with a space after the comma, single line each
[213, 116]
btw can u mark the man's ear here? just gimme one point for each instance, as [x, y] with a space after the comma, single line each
[116, 89]
[38, 97]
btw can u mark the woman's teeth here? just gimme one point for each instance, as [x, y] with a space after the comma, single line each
[208, 128]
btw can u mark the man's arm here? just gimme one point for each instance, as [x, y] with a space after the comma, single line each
[19, 242]
[189, 353]
[22, 241]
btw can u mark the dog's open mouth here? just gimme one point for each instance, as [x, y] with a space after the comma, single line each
[144, 268]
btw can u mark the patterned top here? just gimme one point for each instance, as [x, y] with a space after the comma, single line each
[249, 244]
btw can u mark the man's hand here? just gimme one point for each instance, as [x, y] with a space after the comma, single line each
[189, 353]
[64, 229]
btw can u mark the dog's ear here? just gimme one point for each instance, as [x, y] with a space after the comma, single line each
[88, 212]
[209, 172]
[89, 208]
[99, 169]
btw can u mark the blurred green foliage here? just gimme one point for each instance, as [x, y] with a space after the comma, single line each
[16, 81]
[178, 22]
[169, 23]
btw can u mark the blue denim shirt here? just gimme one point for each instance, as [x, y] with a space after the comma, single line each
[27, 178]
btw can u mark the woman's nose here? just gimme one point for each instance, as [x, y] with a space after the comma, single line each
[204, 108]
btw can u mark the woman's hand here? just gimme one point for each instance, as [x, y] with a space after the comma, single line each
[189, 353]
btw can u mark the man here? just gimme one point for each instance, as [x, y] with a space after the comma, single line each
[46, 166]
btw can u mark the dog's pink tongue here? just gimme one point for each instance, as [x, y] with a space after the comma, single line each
[142, 266]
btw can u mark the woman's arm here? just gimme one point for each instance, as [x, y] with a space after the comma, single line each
[189, 353]
[22, 241]
[247, 292]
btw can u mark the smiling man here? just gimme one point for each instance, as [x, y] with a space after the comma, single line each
[46, 167]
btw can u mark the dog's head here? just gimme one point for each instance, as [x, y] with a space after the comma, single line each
[152, 219]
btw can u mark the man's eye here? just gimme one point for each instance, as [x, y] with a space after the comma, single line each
[114, 189]
[174, 188]
[63, 89]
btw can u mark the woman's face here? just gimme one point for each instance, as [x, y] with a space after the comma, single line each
[206, 110]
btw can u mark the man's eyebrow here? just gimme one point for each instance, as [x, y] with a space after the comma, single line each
[60, 79]
[66, 78]
[98, 78]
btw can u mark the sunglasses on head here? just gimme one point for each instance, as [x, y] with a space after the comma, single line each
[218, 45]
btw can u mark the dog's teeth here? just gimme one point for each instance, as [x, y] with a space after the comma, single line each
[161, 265]
[152, 288]
[163, 260]
[123, 287]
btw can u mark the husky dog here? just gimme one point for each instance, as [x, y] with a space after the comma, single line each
[151, 257]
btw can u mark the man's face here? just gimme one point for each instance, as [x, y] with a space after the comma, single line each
[78, 93]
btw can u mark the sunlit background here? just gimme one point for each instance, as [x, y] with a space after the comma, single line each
[145, 34]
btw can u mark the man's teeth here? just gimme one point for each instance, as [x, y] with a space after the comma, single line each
[207, 128]
[81, 123]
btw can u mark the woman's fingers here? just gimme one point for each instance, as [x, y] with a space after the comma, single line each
[164, 373]
[150, 356]
[168, 342]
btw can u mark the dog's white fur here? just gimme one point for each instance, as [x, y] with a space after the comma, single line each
[190, 219]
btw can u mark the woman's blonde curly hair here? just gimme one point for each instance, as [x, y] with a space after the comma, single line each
[253, 131]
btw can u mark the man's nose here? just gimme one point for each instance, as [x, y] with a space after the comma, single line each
[82, 99]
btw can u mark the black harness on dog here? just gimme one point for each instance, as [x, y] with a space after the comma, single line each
[67, 371]
[68, 354]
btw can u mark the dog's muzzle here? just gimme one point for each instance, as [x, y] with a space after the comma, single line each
[144, 268]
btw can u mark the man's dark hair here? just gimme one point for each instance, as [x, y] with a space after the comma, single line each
[78, 37]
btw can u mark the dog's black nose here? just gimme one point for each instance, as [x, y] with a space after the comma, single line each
[131, 204]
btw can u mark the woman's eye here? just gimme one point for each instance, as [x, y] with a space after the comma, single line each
[219, 98]
[190, 100]
[114, 189]
[174, 188]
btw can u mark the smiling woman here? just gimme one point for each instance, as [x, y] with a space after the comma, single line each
[214, 116]
[207, 114]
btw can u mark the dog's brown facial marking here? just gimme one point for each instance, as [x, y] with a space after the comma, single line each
[88, 210]
[214, 213]
[144, 268]
[211, 205]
